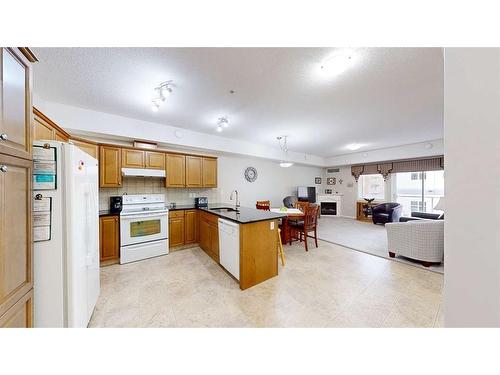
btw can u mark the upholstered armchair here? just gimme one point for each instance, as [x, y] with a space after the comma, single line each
[422, 240]
[386, 213]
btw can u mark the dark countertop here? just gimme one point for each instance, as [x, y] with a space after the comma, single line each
[108, 213]
[245, 215]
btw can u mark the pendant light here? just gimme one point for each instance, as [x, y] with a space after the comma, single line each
[284, 163]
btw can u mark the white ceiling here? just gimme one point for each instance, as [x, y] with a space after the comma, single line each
[387, 97]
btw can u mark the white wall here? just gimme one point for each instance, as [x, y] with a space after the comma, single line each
[472, 190]
[273, 182]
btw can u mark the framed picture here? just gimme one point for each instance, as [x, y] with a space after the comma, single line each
[328, 191]
[317, 180]
[330, 181]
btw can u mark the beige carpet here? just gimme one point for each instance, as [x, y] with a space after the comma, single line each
[366, 237]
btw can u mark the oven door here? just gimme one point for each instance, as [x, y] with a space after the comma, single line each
[141, 228]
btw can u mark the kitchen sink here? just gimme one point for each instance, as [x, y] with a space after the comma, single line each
[224, 209]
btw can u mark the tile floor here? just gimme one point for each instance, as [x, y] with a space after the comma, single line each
[330, 286]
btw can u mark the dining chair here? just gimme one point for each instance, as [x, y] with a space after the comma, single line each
[309, 224]
[301, 205]
[263, 205]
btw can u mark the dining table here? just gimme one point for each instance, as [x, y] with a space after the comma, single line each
[291, 214]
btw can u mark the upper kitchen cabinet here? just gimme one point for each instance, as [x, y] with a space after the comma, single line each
[193, 171]
[155, 160]
[209, 172]
[15, 103]
[132, 158]
[176, 167]
[89, 147]
[110, 164]
[16, 255]
[44, 129]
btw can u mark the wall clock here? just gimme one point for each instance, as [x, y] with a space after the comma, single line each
[250, 174]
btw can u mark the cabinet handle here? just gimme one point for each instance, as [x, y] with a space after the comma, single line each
[3, 137]
[3, 168]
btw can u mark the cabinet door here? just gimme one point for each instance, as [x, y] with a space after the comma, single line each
[132, 158]
[110, 166]
[155, 160]
[209, 172]
[16, 254]
[15, 103]
[176, 165]
[204, 235]
[42, 131]
[214, 241]
[193, 171]
[20, 315]
[191, 226]
[109, 238]
[176, 231]
[90, 148]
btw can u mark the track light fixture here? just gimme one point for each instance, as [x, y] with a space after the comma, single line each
[222, 122]
[163, 90]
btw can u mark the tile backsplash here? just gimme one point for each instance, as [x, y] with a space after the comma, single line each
[154, 185]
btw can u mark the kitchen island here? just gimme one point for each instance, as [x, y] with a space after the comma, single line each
[258, 240]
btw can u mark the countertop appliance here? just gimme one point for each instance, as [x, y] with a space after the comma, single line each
[201, 202]
[229, 246]
[115, 204]
[66, 261]
[143, 227]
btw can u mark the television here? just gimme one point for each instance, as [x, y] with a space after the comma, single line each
[306, 194]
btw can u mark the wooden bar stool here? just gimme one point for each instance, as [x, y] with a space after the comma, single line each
[280, 248]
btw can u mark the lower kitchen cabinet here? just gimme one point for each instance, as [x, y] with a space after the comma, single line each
[176, 228]
[109, 239]
[20, 315]
[209, 235]
[191, 226]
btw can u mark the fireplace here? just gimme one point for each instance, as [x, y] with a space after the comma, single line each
[328, 208]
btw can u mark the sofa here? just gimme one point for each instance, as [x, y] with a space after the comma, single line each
[386, 213]
[421, 240]
[422, 216]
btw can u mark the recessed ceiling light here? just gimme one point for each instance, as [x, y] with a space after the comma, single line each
[354, 146]
[337, 62]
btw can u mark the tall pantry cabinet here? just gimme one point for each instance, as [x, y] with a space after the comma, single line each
[16, 243]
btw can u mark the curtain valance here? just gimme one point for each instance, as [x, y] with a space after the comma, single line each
[398, 166]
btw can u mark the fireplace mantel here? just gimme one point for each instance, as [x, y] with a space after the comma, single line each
[331, 198]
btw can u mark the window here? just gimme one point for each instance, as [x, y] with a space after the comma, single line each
[418, 191]
[371, 186]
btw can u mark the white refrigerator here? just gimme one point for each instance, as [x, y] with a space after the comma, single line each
[66, 260]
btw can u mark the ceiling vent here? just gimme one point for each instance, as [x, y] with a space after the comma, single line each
[332, 170]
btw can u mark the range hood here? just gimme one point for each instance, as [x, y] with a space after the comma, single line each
[142, 172]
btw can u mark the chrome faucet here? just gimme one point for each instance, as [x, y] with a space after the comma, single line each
[237, 200]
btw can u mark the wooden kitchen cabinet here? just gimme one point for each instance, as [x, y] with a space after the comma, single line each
[209, 235]
[191, 229]
[44, 129]
[20, 315]
[132, 158]
[110, 165]
[176, 228]
[90, 148]
[193, 171]
[109, 238]
[155, 160]
[15, 103]
[209, 172]
[16, 253]
[176, 166]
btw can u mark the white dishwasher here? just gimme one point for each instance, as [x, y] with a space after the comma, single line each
[229, 247]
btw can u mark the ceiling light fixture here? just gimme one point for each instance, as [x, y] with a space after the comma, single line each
[284, 163]
[163, 90]
[222, 122]
[354, 146]
[337, 62]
